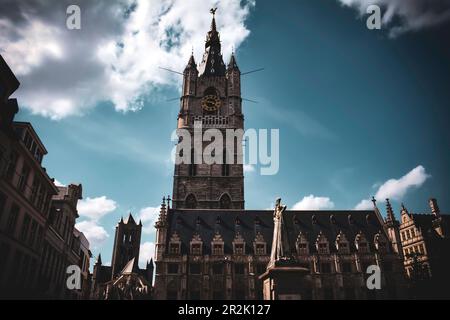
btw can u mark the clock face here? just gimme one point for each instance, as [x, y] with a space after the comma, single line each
[211, 103]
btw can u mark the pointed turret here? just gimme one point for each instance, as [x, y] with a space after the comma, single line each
[232, 65]
[191, 63]
[390, 217]
[99, 259]
[404, 210]
[212, 63]
[131, 219]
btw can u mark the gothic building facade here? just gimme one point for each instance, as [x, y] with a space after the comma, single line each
[38, 239]
[209, 247]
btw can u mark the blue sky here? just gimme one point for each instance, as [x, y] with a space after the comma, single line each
[356, 108]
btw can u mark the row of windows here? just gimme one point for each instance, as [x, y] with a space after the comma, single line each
[23, 268]
[240, 268]
[33, 147]
[31, 233]
[53, 266]
[36, 192]
[408, 234]
[260, 248]
[217, 248]
[417, 249]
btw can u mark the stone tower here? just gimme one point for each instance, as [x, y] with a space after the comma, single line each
[126, 244]
[211, 98]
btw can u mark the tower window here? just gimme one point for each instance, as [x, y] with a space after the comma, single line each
[225, 202]
[191, 202]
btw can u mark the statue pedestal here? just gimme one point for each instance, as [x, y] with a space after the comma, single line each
[288, 282]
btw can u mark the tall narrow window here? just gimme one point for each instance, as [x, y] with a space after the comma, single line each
[11, 170]
[12, 219]
[225, 165]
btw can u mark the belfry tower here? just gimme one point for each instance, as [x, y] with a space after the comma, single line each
[126, 244]
[211, 97]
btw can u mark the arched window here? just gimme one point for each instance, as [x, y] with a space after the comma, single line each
[342, 244]
[225, 202]
[191, 202]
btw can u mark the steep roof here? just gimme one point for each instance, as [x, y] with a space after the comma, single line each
[187, 223]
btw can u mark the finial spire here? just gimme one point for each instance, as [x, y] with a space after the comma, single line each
[168, 201]
[213, 22]
[404, 210]
[390, 213]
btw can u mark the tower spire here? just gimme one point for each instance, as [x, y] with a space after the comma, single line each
[212, 63]
[213, 22]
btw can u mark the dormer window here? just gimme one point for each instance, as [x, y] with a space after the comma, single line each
[239, 248]
[196, 245]
[342, 244]
[174, 248]
[196, 249]
[217, 245]
[361, 243]
[260, 245]
[302, 244]
[239, 244]
[217, 249]
[322, 244]
[175, 244]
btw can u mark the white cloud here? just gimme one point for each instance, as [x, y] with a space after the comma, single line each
[148, 217]
[146, 252]
[364, 205]
[59, 184]
[95, 234]
[312, 202]
[401, 16]
[396, 189]
[116, 54]
[96, 208]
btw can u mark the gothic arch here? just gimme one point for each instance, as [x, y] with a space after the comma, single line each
[225, 201]
[191, 201]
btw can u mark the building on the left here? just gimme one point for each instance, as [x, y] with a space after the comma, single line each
[38, 239]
